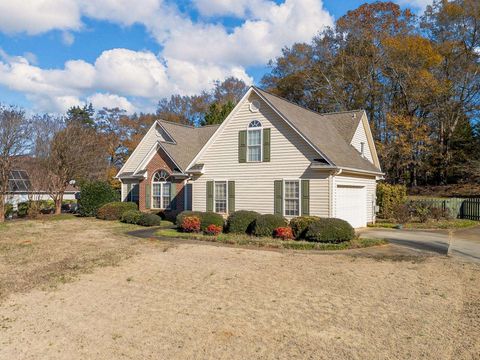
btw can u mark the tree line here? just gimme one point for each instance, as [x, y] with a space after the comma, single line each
[88, 144]
[417, 77]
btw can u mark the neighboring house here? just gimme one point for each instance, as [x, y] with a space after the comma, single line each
[269, 155]
[20, 187]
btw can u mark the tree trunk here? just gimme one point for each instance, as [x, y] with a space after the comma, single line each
[2, 208]
[58, 203]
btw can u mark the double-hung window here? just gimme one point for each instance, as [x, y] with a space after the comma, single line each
[254, 141]
[133, 194]
[161, 189]
[220, 197]
[292, 197]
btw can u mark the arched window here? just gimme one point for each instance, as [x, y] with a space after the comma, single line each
[254, 141]
[161, 190]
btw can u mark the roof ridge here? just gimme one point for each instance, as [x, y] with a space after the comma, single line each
[187, 125]
[305, 108]
[176, 123]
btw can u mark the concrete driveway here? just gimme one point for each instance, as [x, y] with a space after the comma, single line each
[463, 243]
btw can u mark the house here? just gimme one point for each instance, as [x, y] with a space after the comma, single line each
[269, 155]
[20, 187]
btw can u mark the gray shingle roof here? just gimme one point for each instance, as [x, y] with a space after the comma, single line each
[330, 133]
[189, 140]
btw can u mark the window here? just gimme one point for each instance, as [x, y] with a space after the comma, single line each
[133, 194]
[254, 141]
[161, 190]
[292, 197]
[221, 197]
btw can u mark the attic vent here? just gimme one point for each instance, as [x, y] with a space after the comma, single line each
[354, 115]
[362, 148]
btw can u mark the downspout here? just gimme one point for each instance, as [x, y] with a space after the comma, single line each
[331, 186]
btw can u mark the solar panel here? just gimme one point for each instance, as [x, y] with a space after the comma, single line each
[19, 181]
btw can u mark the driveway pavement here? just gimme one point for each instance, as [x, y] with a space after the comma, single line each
[464, 243]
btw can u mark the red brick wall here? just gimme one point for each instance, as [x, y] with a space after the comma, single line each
[161, 161]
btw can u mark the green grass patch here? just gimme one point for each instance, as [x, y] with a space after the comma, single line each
[430, 225]
[267, 242]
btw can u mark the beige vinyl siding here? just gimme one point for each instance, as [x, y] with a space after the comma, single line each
[254, 182]
[359, 137]
[142, 149]
[358, 180]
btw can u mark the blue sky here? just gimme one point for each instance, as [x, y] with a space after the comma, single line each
[59, 53]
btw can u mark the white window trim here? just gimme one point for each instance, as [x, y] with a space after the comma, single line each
[299, 197]
[226, 196]
[162, 183]
[261, 140]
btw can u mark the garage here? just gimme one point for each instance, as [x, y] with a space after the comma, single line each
[351, 205]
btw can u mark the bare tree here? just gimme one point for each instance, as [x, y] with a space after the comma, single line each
[14, 141]
[66, 152]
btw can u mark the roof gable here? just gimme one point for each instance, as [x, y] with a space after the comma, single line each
[179, 142]
[326, 132]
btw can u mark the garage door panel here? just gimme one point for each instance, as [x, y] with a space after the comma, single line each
[351, 205]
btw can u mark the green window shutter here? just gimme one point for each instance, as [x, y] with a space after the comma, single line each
[242, 146]
[173, 194]
[129, 188]
[209, 195]
[278, 197]
[147, 196]
[266, 145]
[305, 197]
[231, 196]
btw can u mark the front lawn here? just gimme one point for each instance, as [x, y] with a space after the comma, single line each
[267, 242]
[429, 225]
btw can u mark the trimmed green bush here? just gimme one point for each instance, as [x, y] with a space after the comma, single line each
[93, 195]
[330, 230]
[115, 210]
[241, 221]
[211, 218]
[264, 225]
[184, 214]
[206, 218]
[299, 225]
[149, 220]
[389, 197]
[131, 217]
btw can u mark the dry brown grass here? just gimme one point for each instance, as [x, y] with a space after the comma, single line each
[44, 253]
[195, 301]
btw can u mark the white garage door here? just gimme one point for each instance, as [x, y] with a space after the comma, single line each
[351, 205]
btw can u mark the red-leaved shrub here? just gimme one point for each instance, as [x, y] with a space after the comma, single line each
[284, 233]
[213, 229]
[190, 224]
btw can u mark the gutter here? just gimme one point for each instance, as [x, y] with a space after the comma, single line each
[338, 170]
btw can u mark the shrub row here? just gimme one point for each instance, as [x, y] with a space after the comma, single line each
[310, 228]
[206, 219]
[115, 210]
[138, 218]
[421, 211]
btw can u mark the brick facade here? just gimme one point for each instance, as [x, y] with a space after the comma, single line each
[161, 161]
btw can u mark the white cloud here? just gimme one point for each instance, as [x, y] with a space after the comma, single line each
[194, 53]
[255, 41]
[117, 72]
[238, 8]
[38, 16]
[101, 100]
